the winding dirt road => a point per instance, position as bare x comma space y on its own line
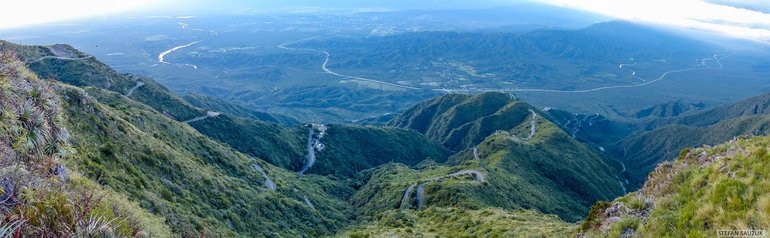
310, 159
268, 182
623, 166
477, 175
59, 58
533, 124
420, 190
208, 114
307, 202
132, 89
313, 145
407, 194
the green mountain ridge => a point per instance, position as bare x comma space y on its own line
642, 151
281, 146
519, 150
203, 185
197, 184
200, 185
215, 104
39, 182
455, 165
705, 190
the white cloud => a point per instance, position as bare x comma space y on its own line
697, 14
756, 5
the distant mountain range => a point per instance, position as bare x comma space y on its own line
142, 147
88, 151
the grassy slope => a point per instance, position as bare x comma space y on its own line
33, 141
283, 147
196, 171
161, 99
536, 175
551, 172
195, 182
215, 104
725, 187
456, 222
170, 169
460, 121
646, 150
279, 145
91, 72
350, 149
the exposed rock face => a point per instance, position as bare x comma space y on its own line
61, 172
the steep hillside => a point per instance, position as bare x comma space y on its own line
460, 121
42, 193
255, 134
68, 65
452, 222
526, 161
346, 149
138, 141
750, 106
705, 190
283, 147
172, 167
218, 105
350, 149
167, 168
642, 151
197, 183
594, 129
670, 109
508, 173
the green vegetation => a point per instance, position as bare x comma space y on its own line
164, 101
283, 147
151, 163
347, 150
197, 183
707, 189
218, 105
460, 121
550, 172
648, 149
41, 194
127, 166
87, 71
457, 222
517, 176
350, 149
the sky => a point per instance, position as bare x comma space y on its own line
20, 13
740, 18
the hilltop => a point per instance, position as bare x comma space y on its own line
160, 164
527, 160
121, 124
704, 190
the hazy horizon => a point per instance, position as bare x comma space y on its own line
736, 18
